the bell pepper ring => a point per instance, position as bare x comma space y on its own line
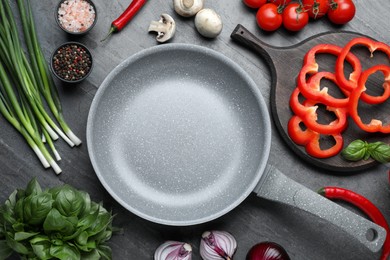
310, 66
297, 134
386, 85
308, 113
372, 45
311, 139
312, 90
375, 125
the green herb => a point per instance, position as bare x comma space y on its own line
361, 150
60, 223
27, 87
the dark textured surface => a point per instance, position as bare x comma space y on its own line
255, 220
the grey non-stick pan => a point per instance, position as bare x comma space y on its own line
180, 135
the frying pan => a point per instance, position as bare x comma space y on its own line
179, 135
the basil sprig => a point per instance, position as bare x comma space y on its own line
59, 223
361, 150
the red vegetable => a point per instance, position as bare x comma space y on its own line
310, 65
280, 2
316, 8
118, 24
308, 113
364, 205
311, 139
312, 90
341, 11
267, 251
254, 3
372, 46
269, 17
375, 125
294, 17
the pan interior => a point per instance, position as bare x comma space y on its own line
178, 134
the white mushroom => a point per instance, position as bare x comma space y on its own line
187, 8
165, 28
208, 23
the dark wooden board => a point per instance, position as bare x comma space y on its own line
285, 64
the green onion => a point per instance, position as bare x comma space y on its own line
41, 69
27, 87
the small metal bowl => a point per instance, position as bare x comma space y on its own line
71, 67
77, 33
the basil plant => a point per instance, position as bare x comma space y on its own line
57, 223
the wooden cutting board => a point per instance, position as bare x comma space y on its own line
285, 64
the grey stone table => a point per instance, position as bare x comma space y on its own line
255, 220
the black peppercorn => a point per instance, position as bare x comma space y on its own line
71, 62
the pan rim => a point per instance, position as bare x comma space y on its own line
249, 83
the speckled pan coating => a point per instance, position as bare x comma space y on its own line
179, 134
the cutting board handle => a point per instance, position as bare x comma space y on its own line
268, 52
275, 186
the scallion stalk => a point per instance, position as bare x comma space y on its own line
41, 69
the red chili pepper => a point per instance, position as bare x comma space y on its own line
118, 24
312, 90
311, 139
375, 125
371, 45
310, 65
308, 113
364, 205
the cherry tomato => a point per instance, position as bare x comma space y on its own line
341, 11
316, 8
254, 3
280, 2
294, 17
269, 17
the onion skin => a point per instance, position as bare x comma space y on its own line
267, 251
217, 245
173, 250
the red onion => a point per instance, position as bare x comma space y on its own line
267, 251
217, 245
173, 250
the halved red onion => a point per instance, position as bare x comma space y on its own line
267, 251
217, 245
173, 250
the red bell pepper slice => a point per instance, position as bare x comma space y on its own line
312, 90
375, 125
310, 66
386, 85
308, 113
311, 139
372, 45
297, 134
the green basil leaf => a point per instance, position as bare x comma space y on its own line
91, 245
36, 208
355, 151
65, 252
55, 222
5, 250
41, 248
20, 236
17, 246
93, 255
82, 239
69, 201
105, 252
379, 151
102, 222
33, 188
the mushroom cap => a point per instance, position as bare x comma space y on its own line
165, 28
208, 23
187, 8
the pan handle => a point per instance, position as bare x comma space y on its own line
276, 186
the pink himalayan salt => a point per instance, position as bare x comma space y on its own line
76, 15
